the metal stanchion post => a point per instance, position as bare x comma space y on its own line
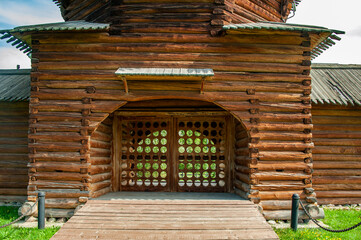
294, 212
41, 210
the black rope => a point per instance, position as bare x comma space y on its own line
327, 229
19, 218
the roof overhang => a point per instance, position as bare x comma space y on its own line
166, 74
20, 37
321, 39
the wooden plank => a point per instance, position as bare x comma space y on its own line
167, 219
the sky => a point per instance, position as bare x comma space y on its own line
334, 14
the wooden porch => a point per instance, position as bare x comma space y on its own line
145, 215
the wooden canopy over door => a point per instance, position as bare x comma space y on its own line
171, 153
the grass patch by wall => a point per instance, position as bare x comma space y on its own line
8, 214
336, 219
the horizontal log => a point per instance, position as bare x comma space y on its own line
342, 194
12, 199
100, 169
281, 195
332, 187
101, 192
59, 176
338, 201
286, 214
57, 146
105, 75
278, 126
276, 205
58, 136
58, 166
336, 120
13, 191
61, 38
336, 180
337, 150
14, 171
99, 185
282, 136
14, 148
13, 156
336, 142
246, 48
337, 134
66, 203
336, 165
337, 127
274, 166
61, 193
100, 177
283, 156
336, 157
276, 176
9, 184
282, 145
280, 185
14, 178
100, 152
101, 136
53, 184
100, 160
338, 172
58, 156
166, 56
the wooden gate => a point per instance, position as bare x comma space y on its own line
184, 154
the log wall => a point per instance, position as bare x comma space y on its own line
337, 153
13, 151
261, 77
101, 159
193, 15
242, 173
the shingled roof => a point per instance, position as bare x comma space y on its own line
14, 85
336, 84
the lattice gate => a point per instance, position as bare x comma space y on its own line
184, 154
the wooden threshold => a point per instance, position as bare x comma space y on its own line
169, 216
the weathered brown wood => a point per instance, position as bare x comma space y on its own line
14, 150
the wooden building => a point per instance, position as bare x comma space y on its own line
199, 96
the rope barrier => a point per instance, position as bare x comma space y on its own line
327, 229
22, 216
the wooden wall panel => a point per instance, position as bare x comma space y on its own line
101, 159
175, 16
262, 80
337, 153
13, 151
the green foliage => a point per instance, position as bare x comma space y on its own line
8, 214
336, 219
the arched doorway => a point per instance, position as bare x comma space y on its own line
172, 145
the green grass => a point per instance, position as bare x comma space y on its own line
8, 214
336, 219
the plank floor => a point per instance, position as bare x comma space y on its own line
167, 216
